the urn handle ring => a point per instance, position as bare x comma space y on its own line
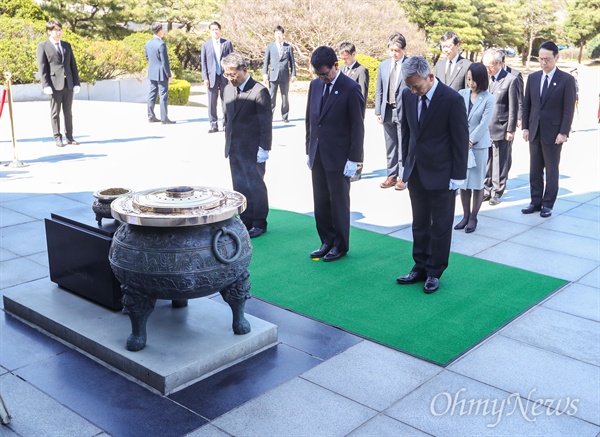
236, 239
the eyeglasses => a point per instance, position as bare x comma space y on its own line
545, 59
230, 75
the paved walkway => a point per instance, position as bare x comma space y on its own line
340, 384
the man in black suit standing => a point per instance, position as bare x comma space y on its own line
248, 131
60, 79
452, 70
548, 109
159, 74
280, 56
360, 74
335, 134
213, 50
505, 88
435, 144
388, 108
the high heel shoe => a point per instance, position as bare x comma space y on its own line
470, 229
461, 224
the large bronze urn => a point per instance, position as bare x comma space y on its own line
180, 243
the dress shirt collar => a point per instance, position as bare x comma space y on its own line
455, 59
242, 86
550, 75
430, 93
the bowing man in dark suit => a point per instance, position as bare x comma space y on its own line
360, 74
248, 131
213, 51
435, 144
388, 108
280, 57
60, 79
548, 109
452, 70
159, 74
335, 134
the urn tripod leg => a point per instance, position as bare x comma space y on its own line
236, 295
138, 307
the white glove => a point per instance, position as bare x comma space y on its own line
455, 184
76, 89
262, 155
350, 168
47, 90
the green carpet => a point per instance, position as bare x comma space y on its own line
359, 293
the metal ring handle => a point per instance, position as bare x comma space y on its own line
238, 243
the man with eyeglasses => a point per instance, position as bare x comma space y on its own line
248, 129
548, 109
335, 134
452, 70
60, 79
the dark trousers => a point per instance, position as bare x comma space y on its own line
331, 195
392, 135
62, 99
433, 215
284, 87
498, 166
543, 157
158, 88
248, 178
213, 94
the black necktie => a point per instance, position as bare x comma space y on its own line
423, 109
493, 78
544, 88
60, 56
325, 96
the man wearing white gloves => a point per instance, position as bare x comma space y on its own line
60, 79
335, 133
248, 123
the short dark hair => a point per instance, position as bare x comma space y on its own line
549, 45
278, 29
480, 76
450, 35
156, 27
397, 39
234, 59
347, 47
214, 23
323, 57
52, 24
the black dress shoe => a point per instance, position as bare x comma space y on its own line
256, 232
495, 201
471, 226
321, 251
72, 141
546, 212
411, 278
167, 121
431, 285
285, 120
212, 130
486, 198
531, 209
153, 120
59, 142
334, 254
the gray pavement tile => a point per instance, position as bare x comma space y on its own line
20, 270
539, 260
5, 255
586, 211
491, 226
24, 239
208, 430
472, 244
534, 373
41, 258
36, 414
568, 244
371, 374
452, 405
384, 426
590, 197
8, 217
574, 226
85, 197
42, 206
556, 331
7, 196
296, 408
592, 278
577, 299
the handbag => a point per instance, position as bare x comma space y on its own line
471, 162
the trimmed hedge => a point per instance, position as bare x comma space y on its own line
179, 92
136, 42
370, 64
593, 47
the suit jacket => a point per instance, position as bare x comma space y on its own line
554, 114
520, 88
479, 118
360, 75
506, 113
281, 66
209, 63
439, 148
383, 85
458, 79
248, 121
53, 73
338, 129
158, 59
